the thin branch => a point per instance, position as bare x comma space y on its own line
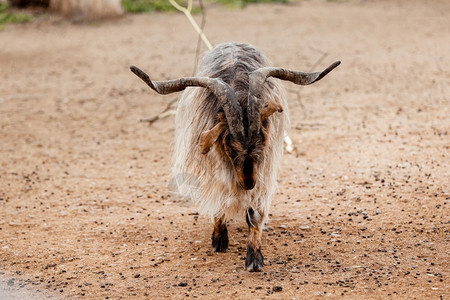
298, 91
201, 37
202, 27
299, 100
302, 125
289, 144
187, 12
166, 112
324, 54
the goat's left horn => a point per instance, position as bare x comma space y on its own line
259, 77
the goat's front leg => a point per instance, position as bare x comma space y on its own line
220, 236
255, 260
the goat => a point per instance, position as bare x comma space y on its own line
229, 138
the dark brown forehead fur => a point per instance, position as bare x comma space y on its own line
233, 63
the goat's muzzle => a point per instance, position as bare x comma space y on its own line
249, 184
247, 179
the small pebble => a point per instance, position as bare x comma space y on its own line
277, 288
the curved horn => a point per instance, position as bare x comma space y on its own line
223, 92
259, 77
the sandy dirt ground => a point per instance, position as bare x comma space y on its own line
362, 209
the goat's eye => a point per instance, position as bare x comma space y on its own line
228, 140
262, 137
228, 148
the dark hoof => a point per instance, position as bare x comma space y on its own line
220, 242
255, 260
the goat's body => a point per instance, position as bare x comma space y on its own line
209, 179
229, 138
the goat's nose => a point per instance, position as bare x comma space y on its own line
249, 184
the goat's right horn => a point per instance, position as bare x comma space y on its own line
223, 92
177, 85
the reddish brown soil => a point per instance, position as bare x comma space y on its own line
363, 203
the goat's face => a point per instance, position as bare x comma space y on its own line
244, 159
243, 153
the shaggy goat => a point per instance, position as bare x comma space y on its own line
229, 138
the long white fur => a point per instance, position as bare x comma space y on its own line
209, 179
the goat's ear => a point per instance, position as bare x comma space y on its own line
269, 108
209, 137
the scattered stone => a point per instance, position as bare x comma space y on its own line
277, 288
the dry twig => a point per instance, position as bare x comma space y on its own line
202, 27
201, 37
187, 11
298, 91
165, 113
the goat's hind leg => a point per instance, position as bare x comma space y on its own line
220, 236
255, 260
